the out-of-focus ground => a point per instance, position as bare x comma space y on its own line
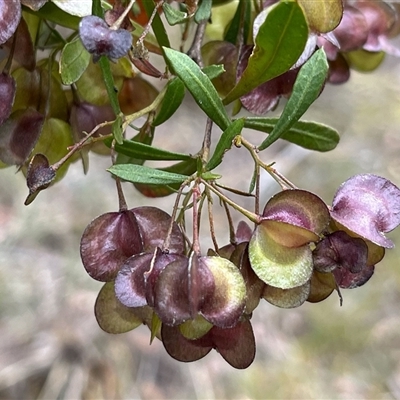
52, 348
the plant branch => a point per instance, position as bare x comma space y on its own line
283, 182
121, 18
211, 219
195, 49
251, 216
79, 145
128, 119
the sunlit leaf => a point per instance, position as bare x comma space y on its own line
199, 85
187, 167
243, 13
145, 152
278, 44
173, 15
157, 24
73, 7
225, 143
203, 12
74, 61
308, 134
172, 100
308, 86
141, 174
55, 14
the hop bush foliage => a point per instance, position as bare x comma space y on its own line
92, 86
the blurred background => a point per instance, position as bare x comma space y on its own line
52, 348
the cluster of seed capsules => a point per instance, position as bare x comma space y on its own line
300, 250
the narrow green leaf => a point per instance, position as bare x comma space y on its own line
157, 25
187, 167
173, 15
141, 151
172, 100
74, 61
213, 71
278, 45
104, 64
117, 129
308, 134
141, 174
143, 136
240, 22
97, 9
203, 12
225, 143
306, 89
254, 178
50, 12
199, 85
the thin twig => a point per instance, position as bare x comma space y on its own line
150, 21
251, 216
232, 233
283, 182
196, 241
80, 144
121, 197
195, 49
121, 18
211, 219
167, 241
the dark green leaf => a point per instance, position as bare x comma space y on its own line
187, 167
157, 25
225, 143
199, 85
306, 89
145, 136
173, 15
141, 174
213, 71
240, 22
203, 13
172, 100
143, 151
310, 135
278, 45
97, 8
50, 12
74, 60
